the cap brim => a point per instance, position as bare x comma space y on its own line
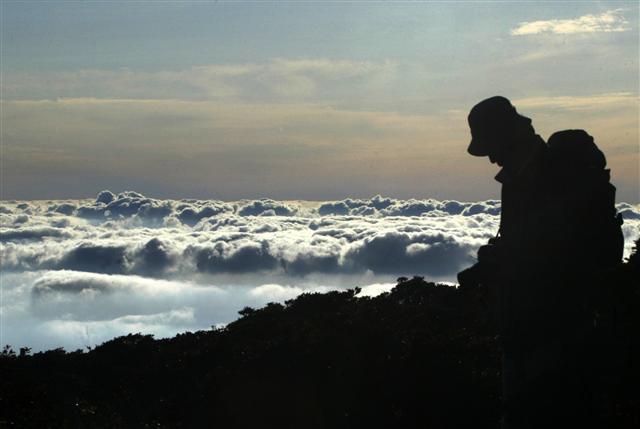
478, 147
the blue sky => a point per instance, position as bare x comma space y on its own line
148, 35
308, 100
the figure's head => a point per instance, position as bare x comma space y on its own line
496, 129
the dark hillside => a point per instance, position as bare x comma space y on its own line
423, 355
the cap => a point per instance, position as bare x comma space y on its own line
488, 119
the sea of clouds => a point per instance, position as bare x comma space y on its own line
76, 273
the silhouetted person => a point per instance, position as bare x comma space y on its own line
558, 229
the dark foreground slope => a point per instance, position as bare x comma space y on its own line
424, 355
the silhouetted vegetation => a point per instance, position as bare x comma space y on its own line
423, 355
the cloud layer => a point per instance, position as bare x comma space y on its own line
130, 234
77, 272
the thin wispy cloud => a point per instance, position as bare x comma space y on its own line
606, 22
279, 79
587, 102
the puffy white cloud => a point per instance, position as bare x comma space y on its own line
606, 22
396, 252
192, 215
267, 207
629, 211
37, 233
276, 292
390, 207
376, 289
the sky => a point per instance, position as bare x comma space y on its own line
301, 100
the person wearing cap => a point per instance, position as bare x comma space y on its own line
526, 269
509, 140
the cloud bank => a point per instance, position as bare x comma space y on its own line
131, 234
78, 272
